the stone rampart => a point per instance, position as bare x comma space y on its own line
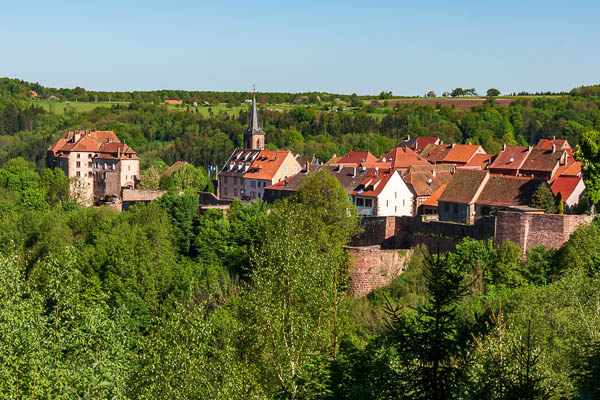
528, 230
376, 231
372, 268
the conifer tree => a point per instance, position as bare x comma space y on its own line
544, 199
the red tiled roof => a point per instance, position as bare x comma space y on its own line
436, 152
356, 158
572, 169
542, 160
403, 157
565, 185
546, 144
511, 158
419, 181
423, 141
374, 182
463, 186
505, 191
432, 201
173, 101
266, 164
463, 153
479, 161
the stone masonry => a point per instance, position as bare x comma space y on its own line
373, 268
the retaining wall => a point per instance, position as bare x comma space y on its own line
372, 268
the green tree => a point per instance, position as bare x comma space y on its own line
493, 92
544, 199
589, 153
182, 210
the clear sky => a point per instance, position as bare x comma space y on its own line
333, 46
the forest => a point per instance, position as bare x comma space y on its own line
162, 302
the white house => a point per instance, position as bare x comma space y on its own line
383, 193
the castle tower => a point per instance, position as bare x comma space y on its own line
254, 137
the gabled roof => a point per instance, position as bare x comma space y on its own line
436, 152
419, 143
239, 161
572, 169
349, 177
542, 160
479, 161
267, 164
374, 182
356, 158
87, 141
463, 186
463, 153
432, 201
419, 181
176, 165
403, 157
504, 191
565, 185
510, 158
546, 144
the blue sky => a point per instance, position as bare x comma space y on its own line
334, 46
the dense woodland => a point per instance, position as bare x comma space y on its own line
160, 302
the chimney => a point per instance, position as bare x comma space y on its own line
307, 167
452, 145
504, 147
433, 172
529, 149
119, 152
553, 148
553, 138
354, 172
376, 170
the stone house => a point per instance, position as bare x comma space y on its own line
99, 163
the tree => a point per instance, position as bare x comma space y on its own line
543, 198
150, 179
458, 92
589, 153
431, 93
493, 92
182, 210
429, 344
191, 177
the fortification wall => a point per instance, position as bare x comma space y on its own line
528, 230
373, 268
376, 231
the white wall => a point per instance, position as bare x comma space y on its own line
395, 199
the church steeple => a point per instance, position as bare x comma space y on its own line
254, 136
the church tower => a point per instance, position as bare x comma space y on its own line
254, 137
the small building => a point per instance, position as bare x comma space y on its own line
33, 94
401, 158
383, 193
353, 158
571, 190
472, 194
173, 101
510, 160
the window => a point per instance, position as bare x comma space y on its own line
78, 173
368, 203
60, 163
252, 183
225, 180
104, 167
129, 167
235, 192
395, 208
78, 155
89, 155
295, 169
387, 203
89, 165
285, 170
359, 202
403, 202
78, 164
112, 166
89, 174
455, 208
395, 195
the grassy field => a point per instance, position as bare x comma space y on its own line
59, 107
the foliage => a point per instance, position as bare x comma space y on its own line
589, 145
543, 198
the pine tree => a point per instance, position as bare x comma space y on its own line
544, 199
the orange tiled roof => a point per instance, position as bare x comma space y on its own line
479, 161
356, 158
436, 152
511, 157
463, 153
565, 185
374, 182
572, 169
403, 157
542, 160
546, 144
266, 164
432, 201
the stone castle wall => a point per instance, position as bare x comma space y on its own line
372, 268
528, 230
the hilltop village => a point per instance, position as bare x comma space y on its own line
420, 192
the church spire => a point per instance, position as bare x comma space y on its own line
254, 137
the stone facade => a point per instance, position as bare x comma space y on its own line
528, 230
373, 268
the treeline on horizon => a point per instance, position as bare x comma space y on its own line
17, 87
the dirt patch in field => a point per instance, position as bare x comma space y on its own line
463, 104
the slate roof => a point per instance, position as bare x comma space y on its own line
565, 185
463, 186
403, 157
239, 162
253, 127
504, 191
510, 158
